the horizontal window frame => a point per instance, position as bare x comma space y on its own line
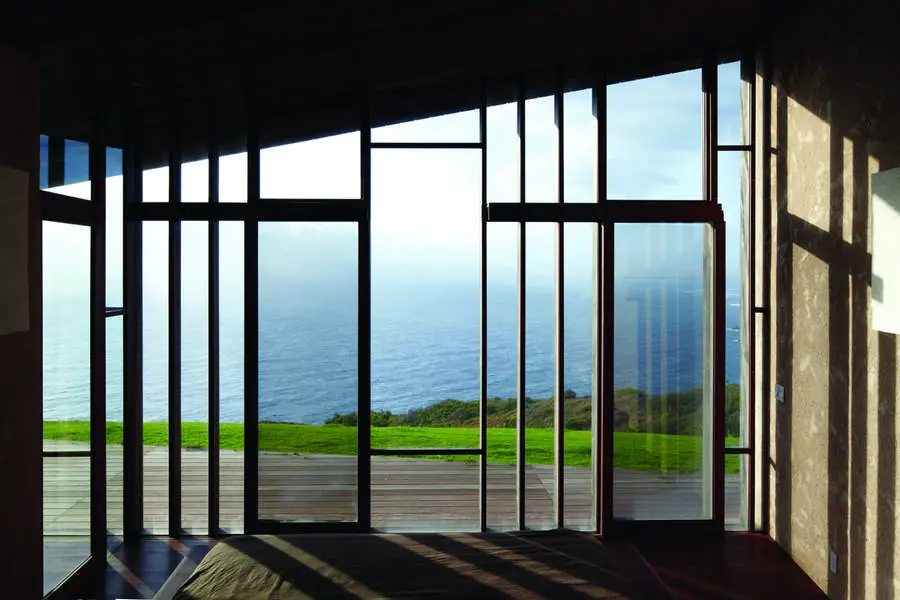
426, 452
265, 210
608, 211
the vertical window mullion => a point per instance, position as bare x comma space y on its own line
766, 158
213, 324
748, 81
520, 354
251, 324
364, 367
132, 278
714, 335
56, 161
602, 397
482, 372
559, 379
174, 329
97, 170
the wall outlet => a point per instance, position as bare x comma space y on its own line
832, 562
779, 393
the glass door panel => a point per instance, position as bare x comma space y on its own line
308, 372
663, 395
66, 410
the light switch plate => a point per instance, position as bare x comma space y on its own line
779, 393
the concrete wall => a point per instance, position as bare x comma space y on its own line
836, 120
20, 352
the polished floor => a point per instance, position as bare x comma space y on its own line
154, 567
735, 566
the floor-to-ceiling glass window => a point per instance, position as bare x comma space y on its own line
433, 387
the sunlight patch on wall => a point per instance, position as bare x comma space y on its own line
885, 250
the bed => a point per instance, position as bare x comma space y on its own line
492, 565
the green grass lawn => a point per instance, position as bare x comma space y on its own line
639, 451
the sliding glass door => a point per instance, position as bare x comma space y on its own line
663, 398
74, 313
67, 419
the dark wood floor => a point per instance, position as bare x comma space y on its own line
735, 566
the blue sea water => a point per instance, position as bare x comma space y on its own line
424, 348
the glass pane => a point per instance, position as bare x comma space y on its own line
67, 542
195, 181
729, 102
77, 163
233, 167
231, 377
233, 178
654, 138
502, 335
663, 400
308, 371
324, 168
736, 482
730, 198
580, 147
503, 154
156, 185
426, 221
540, 339
114, 199
579, 371
113, 162
761, 465
195, 376
115, 400
541, 151
45, 162
438, 493
66, 399
155, 289
454, 127
115, 357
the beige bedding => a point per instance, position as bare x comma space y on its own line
530, 567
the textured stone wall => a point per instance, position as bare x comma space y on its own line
833, 467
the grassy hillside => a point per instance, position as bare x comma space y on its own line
676, 413
648, 452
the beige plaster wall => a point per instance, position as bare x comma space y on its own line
833, 468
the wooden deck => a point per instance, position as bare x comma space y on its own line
407, 494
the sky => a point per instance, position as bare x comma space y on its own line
425, 216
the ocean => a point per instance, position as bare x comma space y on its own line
424, 348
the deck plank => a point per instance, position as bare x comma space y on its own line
407, 494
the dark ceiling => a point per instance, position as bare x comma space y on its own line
307, 61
